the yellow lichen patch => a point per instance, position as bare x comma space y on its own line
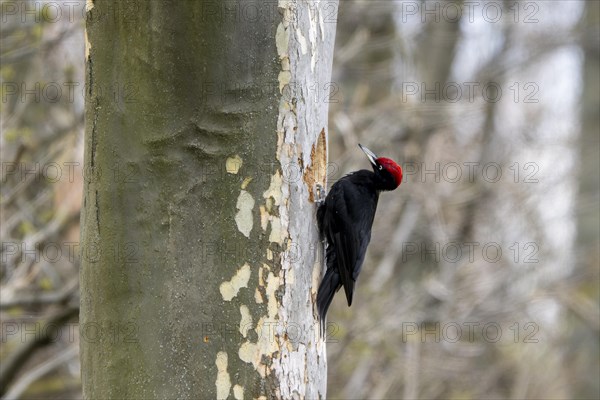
273, 197
261, 281
284, 79
267, 345
223, 381
282, 40
274, 190
233, 164
89, 4
269, 255
258, 297
264, 218
246, 182
246, 321
238, 392
273, 283
231, 288
267, 341
266, 329
269, 204
275, 235
247, 352
288, 7
243, 218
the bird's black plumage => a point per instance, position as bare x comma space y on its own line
345, 219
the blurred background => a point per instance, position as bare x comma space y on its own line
483, 276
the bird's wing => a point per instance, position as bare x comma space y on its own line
342, 234
345, 249
364, 222
348, 220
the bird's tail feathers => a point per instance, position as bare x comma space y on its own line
331, 283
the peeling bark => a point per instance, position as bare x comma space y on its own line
205, 134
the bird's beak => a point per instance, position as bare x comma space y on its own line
372, 157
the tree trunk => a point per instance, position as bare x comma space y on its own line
205, 135
588, 215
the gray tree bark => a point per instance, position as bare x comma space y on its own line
588, 216
584, 302
205, 135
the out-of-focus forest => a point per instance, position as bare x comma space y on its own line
483, 275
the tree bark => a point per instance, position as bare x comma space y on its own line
205, 136
588, 215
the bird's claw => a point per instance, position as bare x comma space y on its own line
320, 194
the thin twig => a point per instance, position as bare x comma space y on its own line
19, 357
37, 299
22, 384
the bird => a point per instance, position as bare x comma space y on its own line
344, 219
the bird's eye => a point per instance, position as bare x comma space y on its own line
380, 167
